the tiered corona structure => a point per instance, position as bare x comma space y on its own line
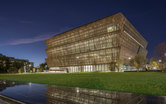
93, 46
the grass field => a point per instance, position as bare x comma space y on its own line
152, 83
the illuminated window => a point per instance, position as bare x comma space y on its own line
111, 28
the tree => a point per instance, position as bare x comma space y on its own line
4, 64
18, 65
82, 67
34, 69
112, 66
119, 64
154, 64
160, 54
13, 70
39, 69
95, 63
138, 61
21, 70
43, 66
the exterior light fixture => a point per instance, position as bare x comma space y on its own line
129, 58
77, 90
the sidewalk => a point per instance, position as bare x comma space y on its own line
6, 100
3, 102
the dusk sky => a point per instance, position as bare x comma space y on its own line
25, 24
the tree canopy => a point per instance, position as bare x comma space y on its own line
138, 61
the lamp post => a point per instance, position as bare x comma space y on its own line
129, 62
160, 61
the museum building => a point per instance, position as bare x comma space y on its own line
95, 46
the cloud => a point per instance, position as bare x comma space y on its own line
27, 40
30, 40
35, 39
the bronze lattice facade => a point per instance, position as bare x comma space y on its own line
93, 46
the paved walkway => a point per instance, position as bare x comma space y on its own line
7, 100
3, 102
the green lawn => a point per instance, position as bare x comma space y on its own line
153, 83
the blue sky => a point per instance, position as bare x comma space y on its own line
25, 24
